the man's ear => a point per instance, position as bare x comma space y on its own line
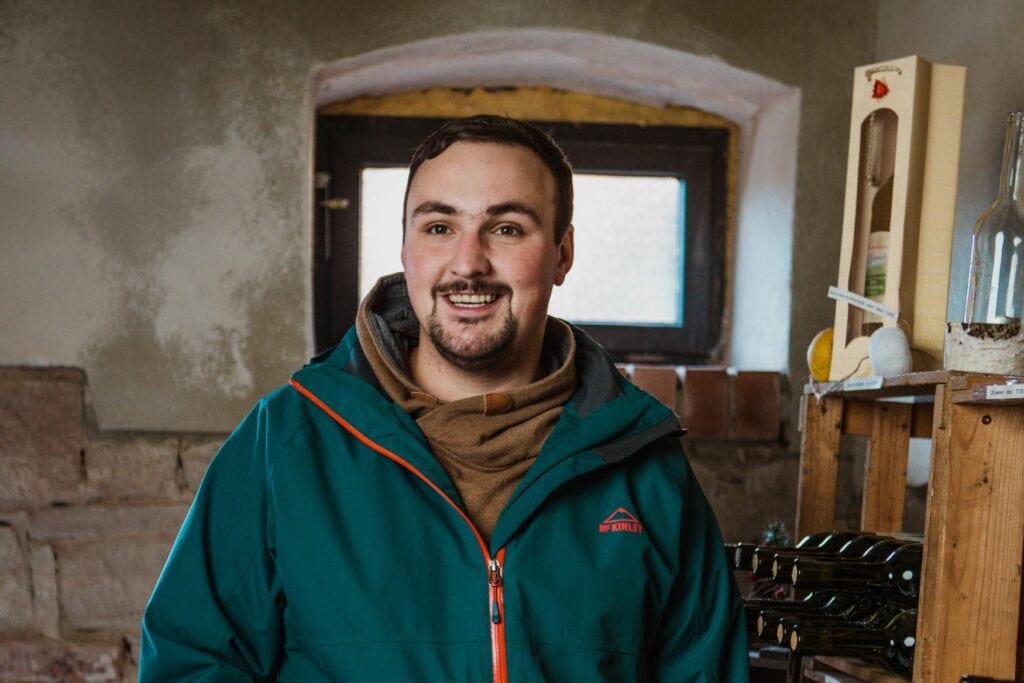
566, 250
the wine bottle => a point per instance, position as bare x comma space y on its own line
995, 281
761, 562
809, 602
739, 555
898, 574
866, 611
815, 604
855, 549
752, 616
892, 643
808, 541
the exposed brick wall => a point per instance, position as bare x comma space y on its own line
87, 518
735, 422
86, 521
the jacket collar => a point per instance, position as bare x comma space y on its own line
606, 420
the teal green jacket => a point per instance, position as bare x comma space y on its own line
327, 544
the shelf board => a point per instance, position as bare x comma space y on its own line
911, 384
966, 387
988, 390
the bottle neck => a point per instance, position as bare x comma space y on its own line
1010, 188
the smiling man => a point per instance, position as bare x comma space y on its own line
481, 254
465, 489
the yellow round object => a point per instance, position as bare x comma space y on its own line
819, 355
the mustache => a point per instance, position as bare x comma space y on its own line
470, 287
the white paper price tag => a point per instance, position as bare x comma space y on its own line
863, 384
1004, 391
862, 303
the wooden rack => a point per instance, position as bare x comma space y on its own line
974, 531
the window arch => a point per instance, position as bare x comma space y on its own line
767, 112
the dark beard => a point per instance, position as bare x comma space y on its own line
487, 357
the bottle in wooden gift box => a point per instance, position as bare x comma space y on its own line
995, 290
874, 211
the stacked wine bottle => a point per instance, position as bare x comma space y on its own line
854, 595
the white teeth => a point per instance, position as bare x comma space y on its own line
471, 299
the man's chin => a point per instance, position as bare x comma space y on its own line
473, 357
474, 353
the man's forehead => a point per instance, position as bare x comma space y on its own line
506, 173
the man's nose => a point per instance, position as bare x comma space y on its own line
470, 258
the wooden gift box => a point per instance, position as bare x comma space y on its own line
901, 178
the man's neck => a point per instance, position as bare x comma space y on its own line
447, 382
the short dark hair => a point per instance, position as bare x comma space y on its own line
503, 131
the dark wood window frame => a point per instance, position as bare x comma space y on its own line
347, 144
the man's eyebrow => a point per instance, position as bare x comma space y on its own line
435, 207
513, 207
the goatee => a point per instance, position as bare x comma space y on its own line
477, 354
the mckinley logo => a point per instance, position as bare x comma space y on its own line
622, 520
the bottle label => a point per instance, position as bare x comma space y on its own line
878, 263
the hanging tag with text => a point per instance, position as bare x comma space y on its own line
863, 303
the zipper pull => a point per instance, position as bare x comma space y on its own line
494, 581
495, 612
494, 573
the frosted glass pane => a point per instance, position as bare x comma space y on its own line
381, 193
629, 246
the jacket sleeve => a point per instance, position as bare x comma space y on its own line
703, 632
215, 613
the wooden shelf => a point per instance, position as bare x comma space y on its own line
912, 384
974, 532
966, 387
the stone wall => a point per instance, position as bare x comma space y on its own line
87, 517
86, 521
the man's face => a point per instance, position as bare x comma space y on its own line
480, 256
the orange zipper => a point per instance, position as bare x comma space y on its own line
495, 565
496, 582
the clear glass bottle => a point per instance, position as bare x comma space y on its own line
995, 288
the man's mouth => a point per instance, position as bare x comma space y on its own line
471, 300
470, 295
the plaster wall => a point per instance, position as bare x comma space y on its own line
984, 37
154, 184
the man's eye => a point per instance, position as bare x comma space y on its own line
507, 230
437, 229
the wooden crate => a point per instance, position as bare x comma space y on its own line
969, 612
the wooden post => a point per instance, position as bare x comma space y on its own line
819, 464
885, 471
971, 584
931, 612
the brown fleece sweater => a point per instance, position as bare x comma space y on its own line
485, 443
